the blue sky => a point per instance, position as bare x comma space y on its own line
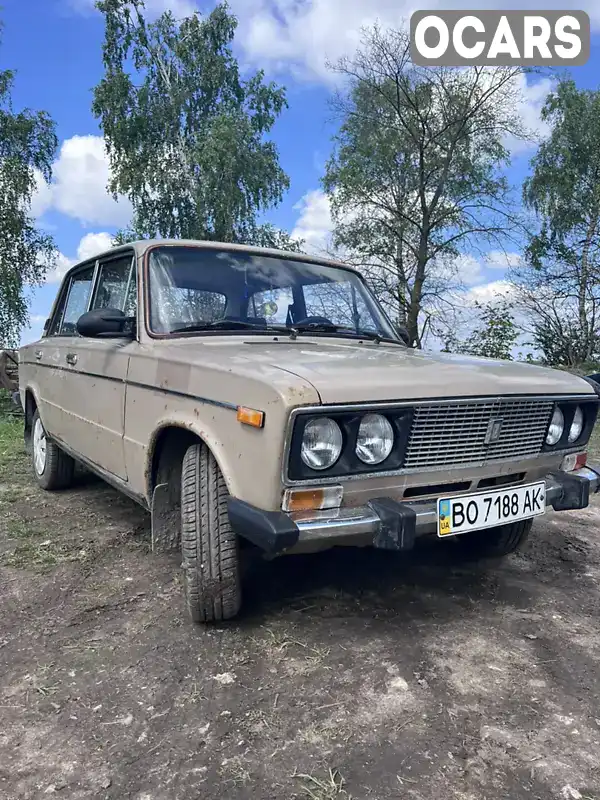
55, 47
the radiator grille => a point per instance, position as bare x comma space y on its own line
457, 434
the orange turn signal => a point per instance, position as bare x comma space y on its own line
573, 462
312, 499
250, 416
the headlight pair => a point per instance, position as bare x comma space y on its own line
323, 441
557, 427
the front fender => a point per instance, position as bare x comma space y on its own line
249, 458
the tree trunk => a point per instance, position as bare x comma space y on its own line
584, 277
416, 296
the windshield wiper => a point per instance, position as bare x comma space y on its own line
290, 330
229, 325
320, 327
329, 327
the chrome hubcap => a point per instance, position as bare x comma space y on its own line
39, 447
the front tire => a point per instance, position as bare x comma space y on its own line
494, 542
52, 468
210, 549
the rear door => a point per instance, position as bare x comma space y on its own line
97, 371
48, 356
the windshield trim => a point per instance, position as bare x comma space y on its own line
223, 248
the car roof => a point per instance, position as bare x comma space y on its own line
142, 245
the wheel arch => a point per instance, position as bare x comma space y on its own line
29, 409
168, 445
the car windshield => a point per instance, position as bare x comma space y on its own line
199, 289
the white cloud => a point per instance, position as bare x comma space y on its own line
498, 259
314, 223
533, 96
489, 292
78, 189
468, 269
300, 38
42, 197
302, 35
90, 245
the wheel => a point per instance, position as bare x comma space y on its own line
52, 468
210, 549
494, 542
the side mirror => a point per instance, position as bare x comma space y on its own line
105, 323
403, 334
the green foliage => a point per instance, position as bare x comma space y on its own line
27, 147
265, 235
417, 171
186, 136
561, 345
561, 286
495, 337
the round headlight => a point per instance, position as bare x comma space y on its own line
321, 443
556, 429
375, 439
576, 426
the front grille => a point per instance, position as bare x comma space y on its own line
456, 434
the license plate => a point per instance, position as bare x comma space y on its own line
474, 512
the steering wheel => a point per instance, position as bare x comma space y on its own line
313, 321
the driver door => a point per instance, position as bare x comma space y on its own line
97, 370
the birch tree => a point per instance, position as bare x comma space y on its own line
417, 175
187, 136
560, 287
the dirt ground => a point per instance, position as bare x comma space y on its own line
350, 674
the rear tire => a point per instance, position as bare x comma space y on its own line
210, 548
52, 468
495, 542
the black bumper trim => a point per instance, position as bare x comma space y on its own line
271, 531
397, 527
575, 493
576, 490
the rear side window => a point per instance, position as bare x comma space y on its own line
77, 297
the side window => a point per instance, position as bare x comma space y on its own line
113, 283
77, 298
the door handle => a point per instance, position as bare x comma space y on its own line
38, 354
71, 359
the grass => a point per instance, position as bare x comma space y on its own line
42, 555
34, 549
31, 555
329, 788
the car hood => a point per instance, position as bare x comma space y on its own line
345, 371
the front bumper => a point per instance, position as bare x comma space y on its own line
388, 524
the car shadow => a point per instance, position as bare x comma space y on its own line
366, 581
